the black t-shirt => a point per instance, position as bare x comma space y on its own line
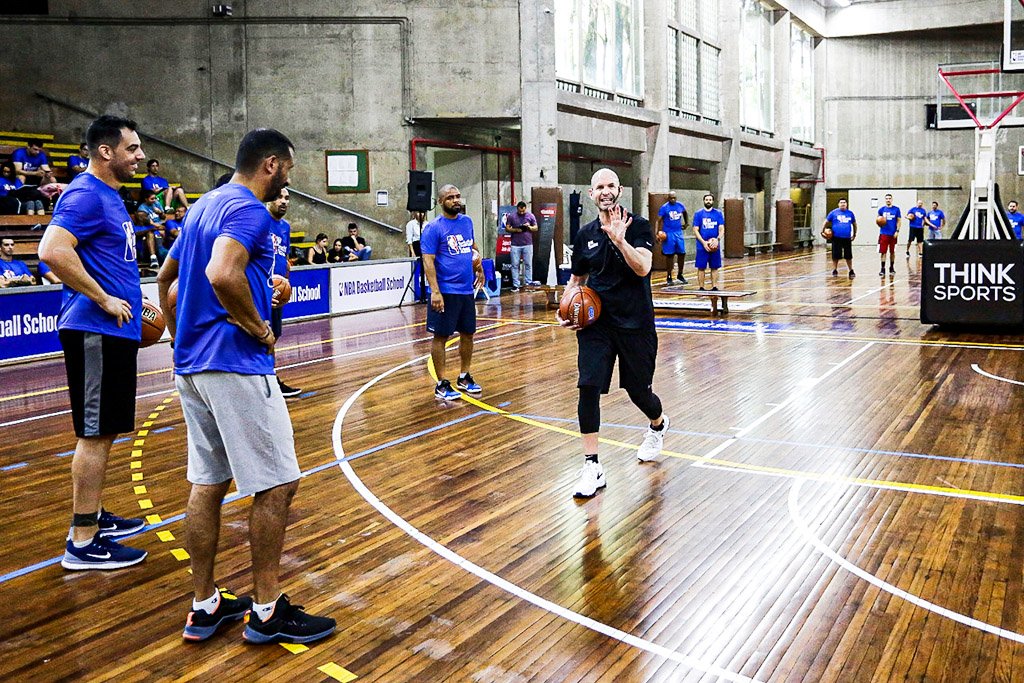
625, 296
348, 243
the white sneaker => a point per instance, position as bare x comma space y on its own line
650, 449
591, 479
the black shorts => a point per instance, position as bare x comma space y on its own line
842, 247
276, 320
600, 345
101, 381
916, 234
459, 316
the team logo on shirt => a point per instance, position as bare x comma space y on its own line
129, 241
457, 244
591, 244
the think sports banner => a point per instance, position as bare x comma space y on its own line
973, 282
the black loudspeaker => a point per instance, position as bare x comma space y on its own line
419, 188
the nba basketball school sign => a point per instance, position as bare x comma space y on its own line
973, 282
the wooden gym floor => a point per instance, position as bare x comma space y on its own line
840, 501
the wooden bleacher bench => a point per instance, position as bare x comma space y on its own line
714, 296
19, 222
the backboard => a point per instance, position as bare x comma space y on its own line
979, 94
1013, 35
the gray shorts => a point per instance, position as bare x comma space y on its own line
238, 427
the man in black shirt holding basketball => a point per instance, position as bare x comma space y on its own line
612, 256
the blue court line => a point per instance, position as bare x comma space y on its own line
123, 439
805, 444
161, 430
232, 498
64, 454
15, 466
307, 394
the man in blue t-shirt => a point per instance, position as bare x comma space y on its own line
13, 273
454, 272
78, 162
90, 245
30, 162
935, 219
708, 224
237, 420
888, 233
672, 220
281, 236
1015, 218
165, 192
915, 220
843, 224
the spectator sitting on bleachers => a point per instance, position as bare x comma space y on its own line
355, 245
78, 162
15, 196
46, 275
13, 273
146, 235
150, 205
50, 188
166, 193
172, 228
30, 162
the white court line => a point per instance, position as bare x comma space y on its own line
489, 577
820, 546
65, 412
977, 369
867, 294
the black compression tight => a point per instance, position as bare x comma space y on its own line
589, 407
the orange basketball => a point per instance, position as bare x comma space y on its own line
152, 324
661, 236
880, 221
477, 258
283, 289
580, 305
827, 233
713, 244
172, 298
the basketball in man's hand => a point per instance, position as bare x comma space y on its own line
580, 305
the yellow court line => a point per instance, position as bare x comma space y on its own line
909, 487
147, 373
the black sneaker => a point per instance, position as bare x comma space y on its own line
443, 390
683, 280
908, 254
852, 274
466, 383
835, 272
287, 624
112, 526
882, 271
287, 391
200, 624
892, 271
669, 281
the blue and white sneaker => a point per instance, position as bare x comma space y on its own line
466, 383
444, 391
112, 526
102, 553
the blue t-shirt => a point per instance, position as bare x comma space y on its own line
154, 183
915, 217
14, 268
842, 221
936, 218
205, 340
7, 186
281, 235
94, 213
76, 160
450, 240
708, 222
155, 211
891, 213
28, 161
43, 270
1016, 222
672, 216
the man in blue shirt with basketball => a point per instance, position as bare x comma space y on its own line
90, 245
453, 275
888, 233
843, 224
1015, 218
672, 221
282, 238
237, 420
915, 219
935, 219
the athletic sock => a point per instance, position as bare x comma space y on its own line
591, 457
209, 605
264, 611
82, 544
659, 427
463, 375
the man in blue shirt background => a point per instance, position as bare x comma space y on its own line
888, 233
915, 219
708, 223
281, 236
1015, 218
843, 224
78, 162
672, 221
237, 420
165, 192
935, 219
90, 245
453, 274
13, 273
30, 162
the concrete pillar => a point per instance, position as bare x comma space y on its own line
539, 116
653, 164
782, 46
728, 176
818, 197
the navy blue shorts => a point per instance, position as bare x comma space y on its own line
601, 345
674, 243
459, 316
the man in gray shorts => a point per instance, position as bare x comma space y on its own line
238, 424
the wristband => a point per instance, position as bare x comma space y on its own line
265, 334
